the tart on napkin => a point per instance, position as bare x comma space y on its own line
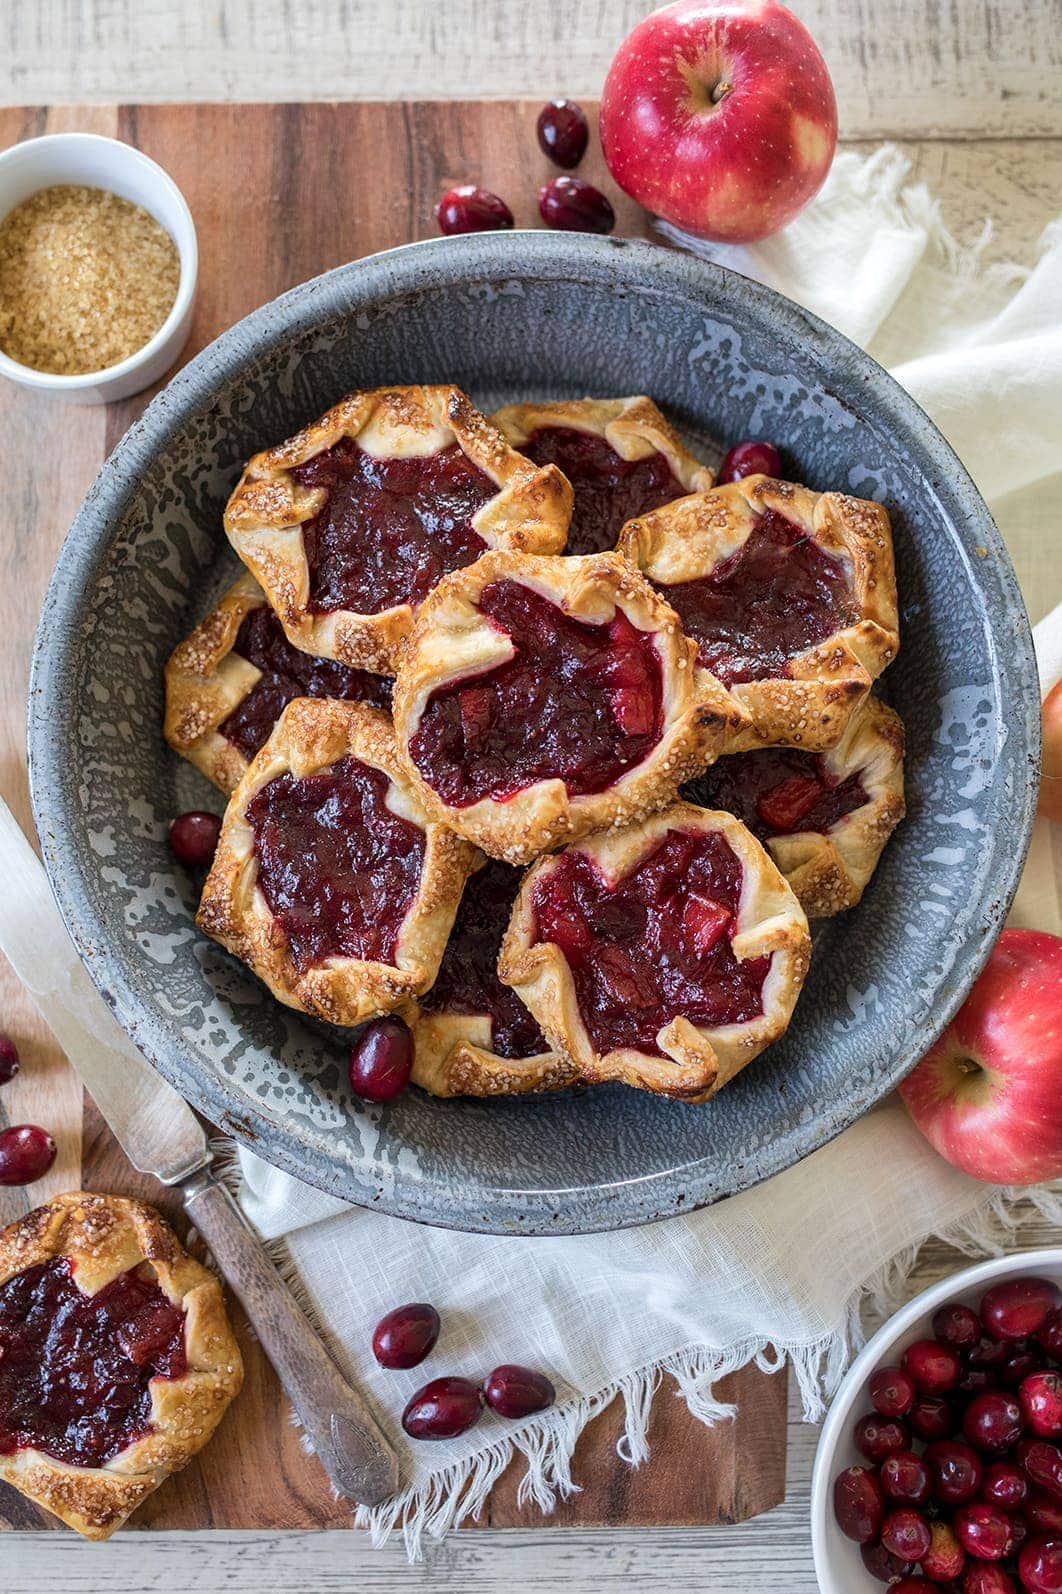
117, 1361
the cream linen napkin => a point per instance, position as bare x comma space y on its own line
782, 1270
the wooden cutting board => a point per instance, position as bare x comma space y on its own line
280, 193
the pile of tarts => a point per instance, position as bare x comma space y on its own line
538, 739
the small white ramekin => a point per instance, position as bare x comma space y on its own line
838, 1564
106, 163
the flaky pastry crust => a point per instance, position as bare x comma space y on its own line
104, 1236
311, 735
809, 708
453, 639
265, 515
697, 1061
453, 1057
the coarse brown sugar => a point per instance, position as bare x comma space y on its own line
86, 279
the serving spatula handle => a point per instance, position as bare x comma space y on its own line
345, 1435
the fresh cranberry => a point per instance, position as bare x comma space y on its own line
858, 1504
877, 1437
892, 1392
381, 1060
989, 1352
514, 1391
1019, 1307
986, 1577
443, 1409
9, 1062
1042, 1462
1004, 1485
906, 1534
905, 1477
956, 1471
749, 459
883, 1565
468, 208
975, 1380
992, 1421
405, 1336
945, 1557
983, 1530
575, 206
1040, 1566
194, 838
932, 1418
1017, 1368
1041, 1401
934, 1367
563, 132
1043, 1514
1050, 1334
26, 1154
957, 1325
909, 1585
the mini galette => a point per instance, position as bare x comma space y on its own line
229, 681
823, 817
117, 1361
329, 879
472, 1035
350, 523
541, 699
666, 955
790, 596
622, 457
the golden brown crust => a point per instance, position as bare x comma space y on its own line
830, 872
810, 707
311, 734
104, 1236
265, 515
453, 638
697, 1061
453, 1057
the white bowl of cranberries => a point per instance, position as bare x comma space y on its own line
939, 1467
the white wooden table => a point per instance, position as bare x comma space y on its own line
973, 93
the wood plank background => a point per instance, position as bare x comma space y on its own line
240, 168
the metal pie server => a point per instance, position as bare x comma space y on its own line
161, 1135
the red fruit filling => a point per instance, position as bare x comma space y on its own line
76, 1370
609, 490
288, 673
338, 869
576, 702
773, 597
468, 979
776, 791
654, 946
389, 528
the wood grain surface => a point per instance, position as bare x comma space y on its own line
250, 174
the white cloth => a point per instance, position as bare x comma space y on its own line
783, 1269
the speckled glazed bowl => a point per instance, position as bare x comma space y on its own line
511, 316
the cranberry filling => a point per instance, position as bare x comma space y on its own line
288, 673
778, 790
609, 490
775, 596
338, 869
580, 703
468, 979
390, 528
76, 1370
656, 945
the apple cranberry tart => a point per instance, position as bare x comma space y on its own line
349, 524
790, 596
622, 457
666, 955
329, 879
117, 1361
229, 681
541, 699
823, 817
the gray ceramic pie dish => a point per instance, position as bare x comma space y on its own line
507, 316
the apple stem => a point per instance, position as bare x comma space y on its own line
968, 1065
720, 91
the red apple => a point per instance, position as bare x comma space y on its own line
988, 1095
719, 115
1051, 782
